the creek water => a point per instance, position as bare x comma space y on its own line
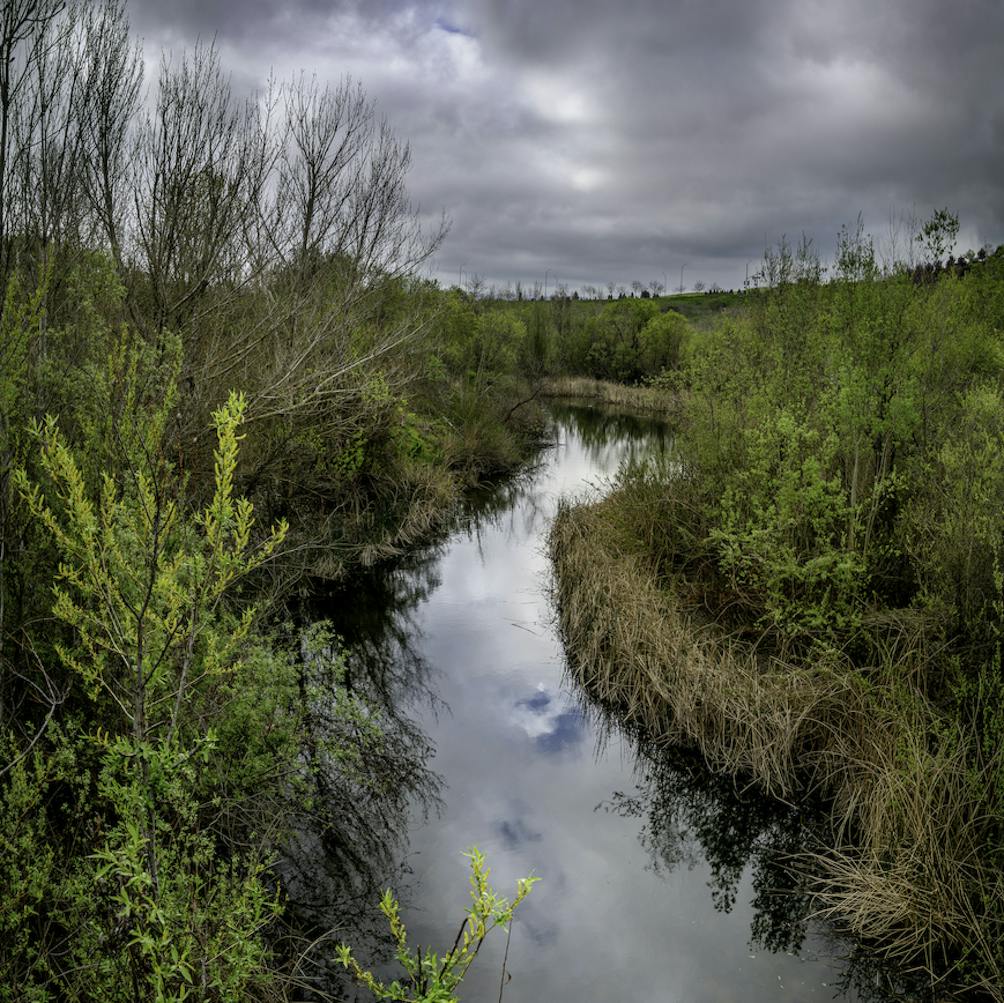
658, 881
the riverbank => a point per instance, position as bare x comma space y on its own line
813, 593
903, 870
410, 494
650, 400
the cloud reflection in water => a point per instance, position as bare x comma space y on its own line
553, 725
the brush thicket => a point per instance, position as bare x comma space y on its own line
905, 869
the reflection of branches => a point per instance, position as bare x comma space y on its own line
517, 505
499, 506
608, 435
346, 851
691, 812
373, 612
364, 770
687, 806
866, 977
347, 842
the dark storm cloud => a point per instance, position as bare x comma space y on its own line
600, 141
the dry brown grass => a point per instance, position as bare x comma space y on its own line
615, 394
905, 871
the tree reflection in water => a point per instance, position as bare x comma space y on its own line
691, 813
353, 820
352, 842
604, 433
685, 807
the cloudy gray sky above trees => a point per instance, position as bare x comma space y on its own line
589, 141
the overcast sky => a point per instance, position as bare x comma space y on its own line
591, 141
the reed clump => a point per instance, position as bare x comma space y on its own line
655, 399
907, 816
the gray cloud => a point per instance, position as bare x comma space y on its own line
602, 141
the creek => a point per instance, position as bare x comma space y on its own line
659, 881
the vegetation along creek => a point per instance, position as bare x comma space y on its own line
419, 609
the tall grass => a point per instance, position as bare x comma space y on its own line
635, 398
908, 823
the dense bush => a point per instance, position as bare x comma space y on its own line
211, 317
830, 521
839, 437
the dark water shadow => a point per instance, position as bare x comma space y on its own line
351, 841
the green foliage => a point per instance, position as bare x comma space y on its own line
20, 322
614, 340
138, 585
480, 343
953, 528
27, 870
780, 531
497, 344
160, 736
430, 977
170, 738
140, 589
189, 922
939, 233
663, 341
841, 442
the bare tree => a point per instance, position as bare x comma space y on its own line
194, 154
475, 286
903, 228
108, 103
269, 232
29, 29
48, 133
327, 133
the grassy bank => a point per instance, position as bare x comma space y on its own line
904, 870
810, 593
653, 400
